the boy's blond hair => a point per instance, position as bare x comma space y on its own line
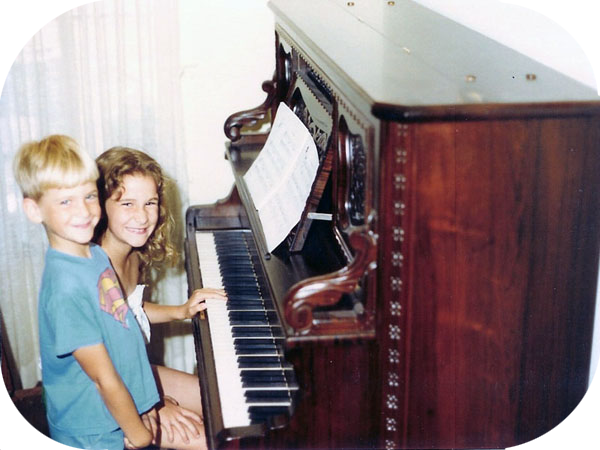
56, 161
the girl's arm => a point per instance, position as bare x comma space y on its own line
96, 363
166, 313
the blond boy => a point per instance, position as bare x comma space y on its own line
95, 370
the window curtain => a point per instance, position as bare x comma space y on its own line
106, 73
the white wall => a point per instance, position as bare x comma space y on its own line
562, 35
228, 50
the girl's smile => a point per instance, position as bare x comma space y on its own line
133, 211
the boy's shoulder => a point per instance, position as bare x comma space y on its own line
72, 269
56, 256
67, 276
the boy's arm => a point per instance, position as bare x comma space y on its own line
96, 363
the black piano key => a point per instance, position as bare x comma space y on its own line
242, 285
248, 305
247, 362
265, 384
253, 315
241, 342
250, 315
270, 410
241, 319
274, 330
258, 351
255, 343
266, 396
259, 414
250, 331
238, 263
241, 297
239, 276
243, 293
248, 289
264, 376
237, 322
270, 350
240, 307
230, 269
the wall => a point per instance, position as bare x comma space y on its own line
228, 50
562, 35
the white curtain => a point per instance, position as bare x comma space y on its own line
106, 73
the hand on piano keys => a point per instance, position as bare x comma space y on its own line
197, 301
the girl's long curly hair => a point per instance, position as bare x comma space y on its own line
116, 163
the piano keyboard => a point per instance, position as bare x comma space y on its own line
254, 380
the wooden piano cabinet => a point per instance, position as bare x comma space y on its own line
489, 237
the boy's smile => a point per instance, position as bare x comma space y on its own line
69, 215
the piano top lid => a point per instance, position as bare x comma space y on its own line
410, 56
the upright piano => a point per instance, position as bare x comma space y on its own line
439, 288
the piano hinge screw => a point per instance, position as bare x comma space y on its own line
531, 77
470, 78
350, 3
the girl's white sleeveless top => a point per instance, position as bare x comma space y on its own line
136, 303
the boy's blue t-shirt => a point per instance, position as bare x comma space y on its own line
81, 304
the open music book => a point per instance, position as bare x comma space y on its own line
281, 177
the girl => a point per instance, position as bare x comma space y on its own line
134, 231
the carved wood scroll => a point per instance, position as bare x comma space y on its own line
325, 290
251, 117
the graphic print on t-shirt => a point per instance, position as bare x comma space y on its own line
112, 300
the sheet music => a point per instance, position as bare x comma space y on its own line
281, 177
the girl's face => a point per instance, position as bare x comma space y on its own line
133, 210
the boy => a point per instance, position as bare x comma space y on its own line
95, 371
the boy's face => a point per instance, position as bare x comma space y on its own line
69, 216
